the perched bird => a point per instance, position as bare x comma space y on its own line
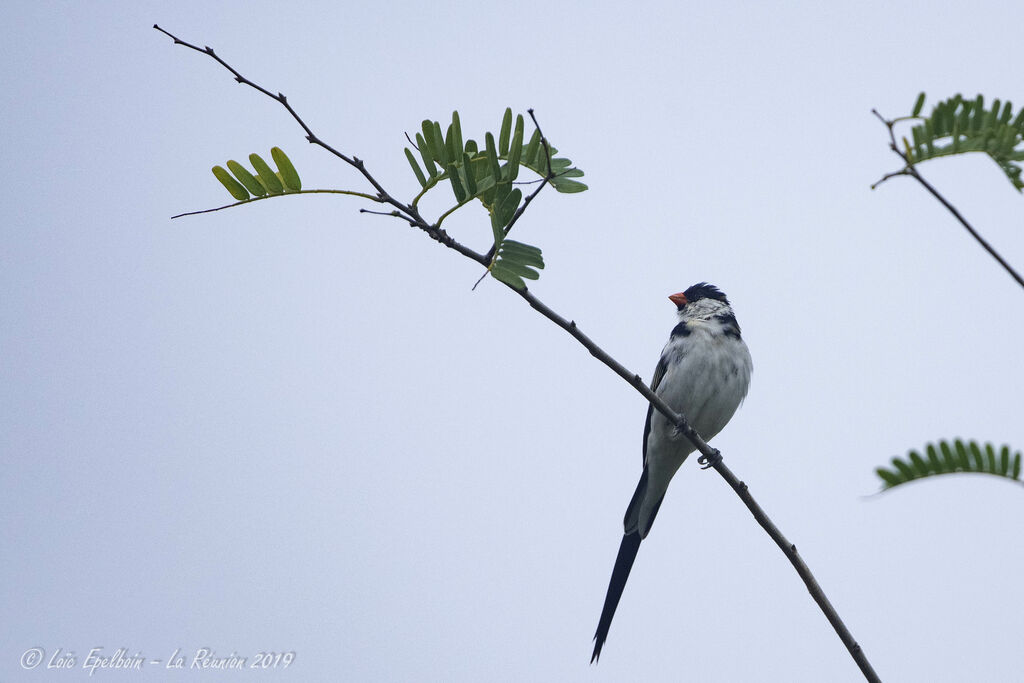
703, 373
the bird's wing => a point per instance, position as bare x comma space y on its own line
659, 372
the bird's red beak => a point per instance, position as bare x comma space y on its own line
678, 299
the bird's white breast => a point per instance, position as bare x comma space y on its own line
706, 379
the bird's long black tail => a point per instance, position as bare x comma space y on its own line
623, 563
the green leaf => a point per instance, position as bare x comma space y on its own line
520, 125
289, 175
267, 176
961, 453
515, 153
904, 469
483, 185
435, 144
490, 196
492, 157
976, 453
451, 151
455, 130
522, 253
499, 272
415, 167
919, 465
947, 456
563, 184
229, 183
441, 149
498, 230
519, 269
532, 147
889, 478
431, 146
507, 208
506, 130
244, 177
467, 167
425, 154
918, 104
453, 176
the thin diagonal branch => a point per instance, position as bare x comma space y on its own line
911, 170
280, 97
409, 213
710, 457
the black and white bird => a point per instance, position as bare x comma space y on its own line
703, 373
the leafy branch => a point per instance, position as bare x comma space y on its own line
969, 127
474, 167
946, 458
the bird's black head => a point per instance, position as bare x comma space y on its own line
701, 290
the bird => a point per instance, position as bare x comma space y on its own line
703, 373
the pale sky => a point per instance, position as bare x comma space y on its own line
290, 427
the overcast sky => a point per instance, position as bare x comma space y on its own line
290, 427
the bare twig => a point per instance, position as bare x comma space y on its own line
410, 213
911, 170
710, 457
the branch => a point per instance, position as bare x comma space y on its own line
710, 457
409, 213
910, 170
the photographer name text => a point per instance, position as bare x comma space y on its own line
201, 659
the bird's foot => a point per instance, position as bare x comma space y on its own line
707, 461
